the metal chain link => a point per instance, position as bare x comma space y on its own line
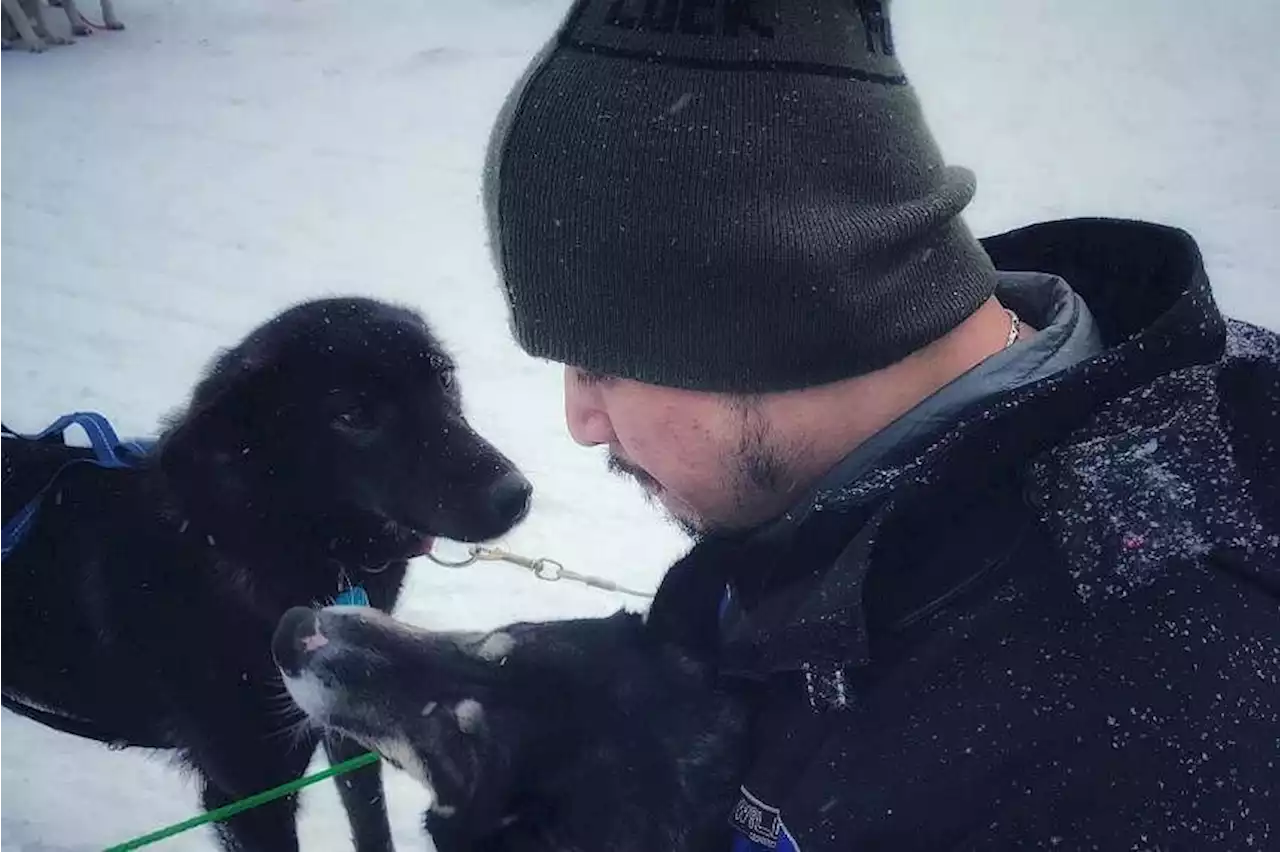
543, 568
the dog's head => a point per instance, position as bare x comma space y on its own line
337, 428
507, 727
451, 709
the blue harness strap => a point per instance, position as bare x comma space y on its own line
111, 453
108, 452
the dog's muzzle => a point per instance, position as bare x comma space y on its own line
297, 637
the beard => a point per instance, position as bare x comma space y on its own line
649, 486
621, 467
754, 475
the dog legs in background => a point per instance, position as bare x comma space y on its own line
24, 23
8, 32
35, 11
15, 17
80, 25
362, 797
109, 19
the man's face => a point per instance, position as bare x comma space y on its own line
708, 459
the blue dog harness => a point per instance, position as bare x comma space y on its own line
108, 452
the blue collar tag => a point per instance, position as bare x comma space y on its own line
354, 596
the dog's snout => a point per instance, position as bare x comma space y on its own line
510, 497
296, 638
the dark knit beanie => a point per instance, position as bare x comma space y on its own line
727, 195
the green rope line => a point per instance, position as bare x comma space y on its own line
245, 804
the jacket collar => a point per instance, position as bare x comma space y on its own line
808, 591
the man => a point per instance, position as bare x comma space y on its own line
996, 552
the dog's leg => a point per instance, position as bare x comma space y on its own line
79, 25
241, 765
35, 11
8, 35
9, 40
362, 797
109, 19
22, 24
267, 828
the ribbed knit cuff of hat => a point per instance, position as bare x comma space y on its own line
728, 196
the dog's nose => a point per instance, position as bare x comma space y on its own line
509, 497
297, 636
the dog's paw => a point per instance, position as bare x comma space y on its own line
82, 30
50, 39
114, 25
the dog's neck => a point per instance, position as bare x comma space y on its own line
689, 744
272, 563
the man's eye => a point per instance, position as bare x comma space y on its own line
590, 378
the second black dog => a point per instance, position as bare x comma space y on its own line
321, 452
589, 734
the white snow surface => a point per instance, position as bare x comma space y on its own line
168, 187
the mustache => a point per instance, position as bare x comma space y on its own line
621, 467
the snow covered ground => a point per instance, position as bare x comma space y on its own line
167, 187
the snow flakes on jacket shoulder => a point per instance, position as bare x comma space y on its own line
1150, 486
1252, 343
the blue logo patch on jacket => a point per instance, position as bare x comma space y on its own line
758, 827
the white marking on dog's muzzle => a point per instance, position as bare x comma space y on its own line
311, 696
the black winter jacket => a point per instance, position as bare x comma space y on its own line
1055, 626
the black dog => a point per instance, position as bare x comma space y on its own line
323, 451
593, 734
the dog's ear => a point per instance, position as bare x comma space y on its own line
202, 455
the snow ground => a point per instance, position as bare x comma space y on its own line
167, 187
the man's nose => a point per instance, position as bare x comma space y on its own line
586, 417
